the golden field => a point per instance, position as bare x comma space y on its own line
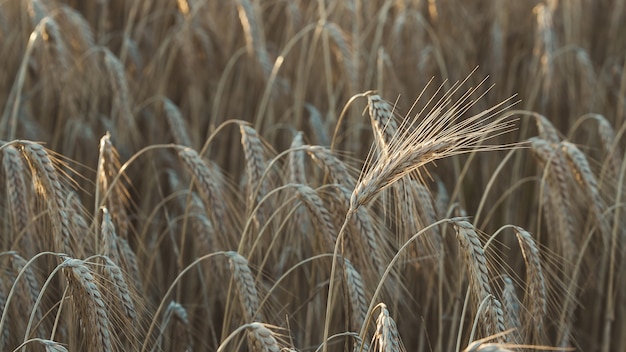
291, 175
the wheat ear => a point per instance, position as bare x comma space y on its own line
476, 262
246, 289
46, 176
387, 338
536, 291
93, 312
17, 196
262, 339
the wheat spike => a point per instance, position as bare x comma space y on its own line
262, 339
17, 196
246, 288
89, 302
536, 291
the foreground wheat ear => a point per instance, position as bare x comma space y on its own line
439, 130
440, 133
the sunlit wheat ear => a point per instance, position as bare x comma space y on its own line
383, 123
536, 294
440, 134
246, 288
386, 338
17, 192
90, 305
262, 339
47, 181
478, 272
257, 185
117, 199
559, 197
208, 184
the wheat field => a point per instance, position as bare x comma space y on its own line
292, 175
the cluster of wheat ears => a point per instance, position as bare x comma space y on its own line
199, 175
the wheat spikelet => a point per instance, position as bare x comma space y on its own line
128, 261
428, 214
17, 196
29, 288
46, 177
262, 339
181, 322
365, 228
119, 286
257, 186
383, 123
546, 130
609, 144
320, 133
480, 346
582, 174
255, 39
560, 198
386, 336
208, 185
116, 202
296, 160
89, 302
338, 36
322, 219
177, 123
246, 289
336, 169
121, 105
511, 309
536, 292
476, 262
434, 137
356, 293
51, 35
